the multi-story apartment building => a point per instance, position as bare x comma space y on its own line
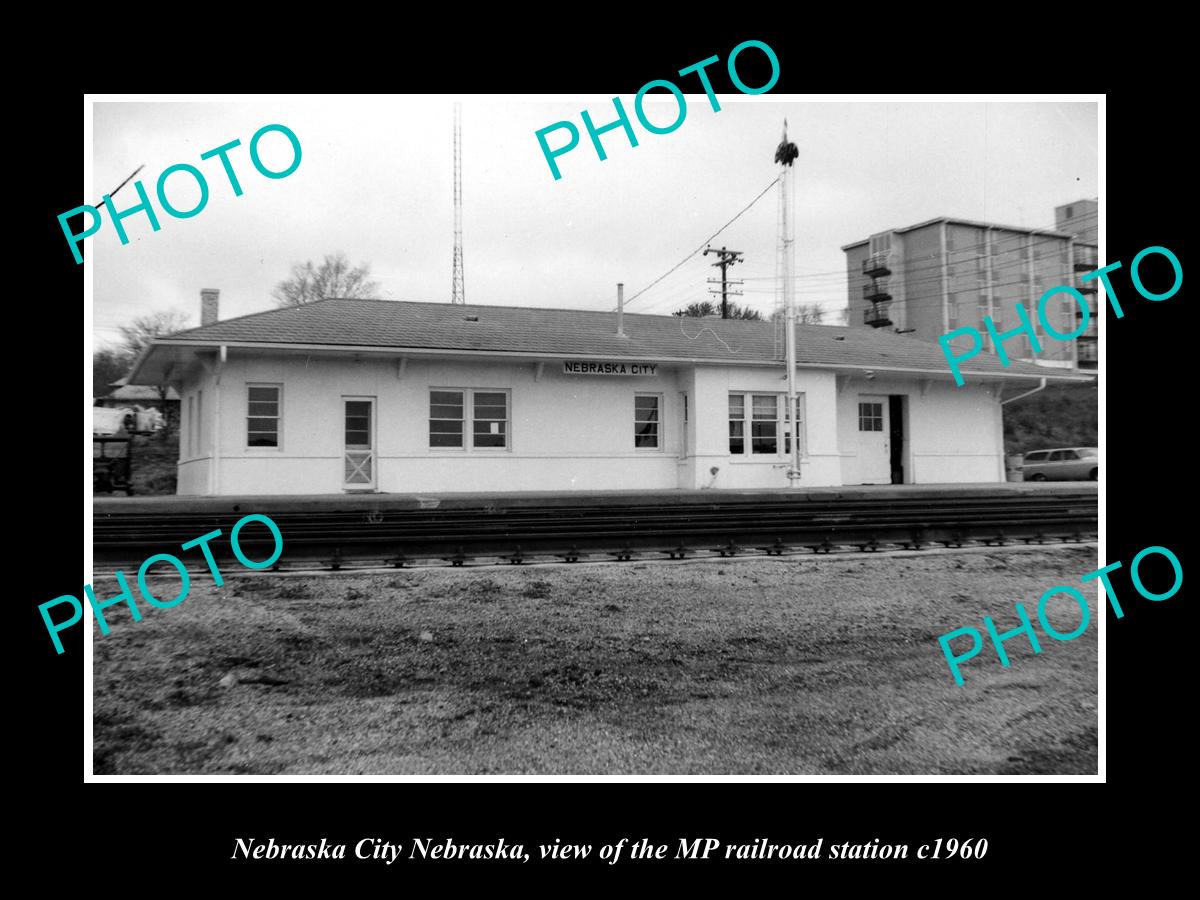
1081, 219
930, 278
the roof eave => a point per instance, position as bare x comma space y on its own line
536, 356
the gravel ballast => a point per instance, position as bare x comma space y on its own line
792, 665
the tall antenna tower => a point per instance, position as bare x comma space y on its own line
458, 293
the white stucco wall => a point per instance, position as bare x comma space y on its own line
820, 466
196, 410
952, 434
567, 432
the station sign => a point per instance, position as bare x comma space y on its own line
578, 367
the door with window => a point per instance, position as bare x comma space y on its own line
359, 459
874, 450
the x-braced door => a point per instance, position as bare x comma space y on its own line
360, 443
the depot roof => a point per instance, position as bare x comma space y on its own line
444, 329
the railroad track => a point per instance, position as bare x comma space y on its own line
353, 536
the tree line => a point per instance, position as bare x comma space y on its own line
307, 283
806, 313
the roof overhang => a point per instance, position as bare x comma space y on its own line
166, 359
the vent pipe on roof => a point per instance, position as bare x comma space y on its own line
620, 309
208, 306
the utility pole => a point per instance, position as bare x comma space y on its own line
785, 154
727, 259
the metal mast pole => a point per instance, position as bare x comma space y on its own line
458, 291
785, 154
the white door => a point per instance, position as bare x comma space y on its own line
359, 461
874, 450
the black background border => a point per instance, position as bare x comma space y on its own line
184, 828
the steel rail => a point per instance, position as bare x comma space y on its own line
395, 536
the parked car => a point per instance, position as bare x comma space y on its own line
1066, 464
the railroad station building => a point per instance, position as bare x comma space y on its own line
405, 397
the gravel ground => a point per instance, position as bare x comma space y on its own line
795, 665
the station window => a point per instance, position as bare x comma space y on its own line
737, 423
264, 403
490, 419
768, 418
645, 421
764, 424
482, 414
801, 432
870, 417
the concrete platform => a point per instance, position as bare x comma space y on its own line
105, 505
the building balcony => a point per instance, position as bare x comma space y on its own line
1088, 353
876, 265
1086, 259
876, 315
876, 292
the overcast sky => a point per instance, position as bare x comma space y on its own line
376, 178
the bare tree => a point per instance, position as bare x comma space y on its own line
141, 331
707, 309
335, 277
843, 316
138, 334
809, 314
107, 366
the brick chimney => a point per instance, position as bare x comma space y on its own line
208, 305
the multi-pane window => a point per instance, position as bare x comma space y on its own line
262, 415
645, 421
479, 413
490, 419
737, 423
801, 436
191, 419
446, 419
358, 424
764, 423
870, 417
768, 417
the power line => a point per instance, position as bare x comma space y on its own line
1001, 249
113, 192
704, 243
